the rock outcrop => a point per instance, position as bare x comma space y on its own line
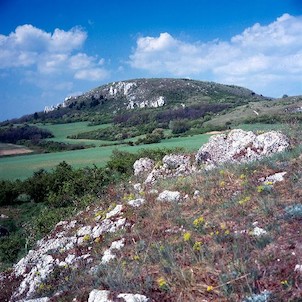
240, 146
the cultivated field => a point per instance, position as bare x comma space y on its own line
12, 149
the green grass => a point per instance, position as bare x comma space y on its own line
263, 127
61, 131
23, 166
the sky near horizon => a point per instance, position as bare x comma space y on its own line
52, 49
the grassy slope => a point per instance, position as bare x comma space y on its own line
241, 113
61, 131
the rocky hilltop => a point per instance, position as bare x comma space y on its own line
183, 229
153, 93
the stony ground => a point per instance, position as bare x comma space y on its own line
184, 229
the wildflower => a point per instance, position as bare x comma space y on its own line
244, 200
284, 282
260, 189
217, 232
86, 237
242, 176
209, 288
162, 284
223, 225
197, 246
221, 172
227, 232
198, 222
97, 240
222, 184
136, 257
187, 236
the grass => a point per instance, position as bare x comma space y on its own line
23, 166
203, 248
61, 131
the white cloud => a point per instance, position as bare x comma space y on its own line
261, 57
93, 74
49, 53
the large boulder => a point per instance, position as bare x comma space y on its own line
143, 166
241, 146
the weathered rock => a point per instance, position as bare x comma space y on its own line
133, 298
108, 254
174, 165
103, 296
136, 202
143, 166
272, 179
169, 196
99, 296
241, 146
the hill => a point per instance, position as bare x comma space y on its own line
103, 102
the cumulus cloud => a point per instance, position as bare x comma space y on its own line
260, 57
46, 53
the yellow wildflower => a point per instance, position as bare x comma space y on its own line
209, 288
198, 222
187, 236
162, 284
86, 237
197, 246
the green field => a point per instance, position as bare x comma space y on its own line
24, 165
61, 131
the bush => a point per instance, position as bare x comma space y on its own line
179, 126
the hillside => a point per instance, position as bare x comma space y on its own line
220, 225
104, 102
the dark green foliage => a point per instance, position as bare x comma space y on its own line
16, 134
51, 146
10, 247
179, 126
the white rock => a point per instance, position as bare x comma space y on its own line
86, 230
45, 299
241, 146
136, 202
117, 210
298, 268
169, 196
108, 254
143, 166
272, 179
137, 187
70, 258
258, 231
196, 194
99, 296
3, 216
133, 297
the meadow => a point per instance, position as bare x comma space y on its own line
23, 166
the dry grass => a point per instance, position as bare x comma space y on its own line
202, 248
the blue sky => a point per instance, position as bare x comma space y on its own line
52, 49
